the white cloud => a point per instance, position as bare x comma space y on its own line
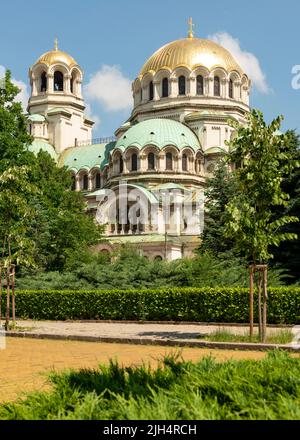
249, 63
90, 114
110, 88
23, 96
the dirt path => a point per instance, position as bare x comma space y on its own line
25, 362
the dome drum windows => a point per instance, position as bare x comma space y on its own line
217, 86
85, 182
97, 181
169, 161
230, 91
184, 162
151, 161
165, 88
181, 85
44, 81
200, 85
58, 81
134, 162
151, 91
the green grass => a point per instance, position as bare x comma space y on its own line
280, 337
268, 389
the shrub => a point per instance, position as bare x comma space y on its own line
175, 304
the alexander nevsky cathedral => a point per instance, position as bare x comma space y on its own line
184, 97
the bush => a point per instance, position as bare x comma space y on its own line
167, 304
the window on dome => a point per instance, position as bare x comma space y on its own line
151, 161
43, 82
181, 85
134, 162
58, 82
200, 85
217, 86
121, 165
151, 91
85, 182
230, 88
98, 181
141, 95
169, 161
165, 88
184, 162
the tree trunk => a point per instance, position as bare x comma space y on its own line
0, 294
13, 294
7, 314
265, 297
259, 286
251, 301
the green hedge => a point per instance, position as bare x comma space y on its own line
175, 304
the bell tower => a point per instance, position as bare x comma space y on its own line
56, 101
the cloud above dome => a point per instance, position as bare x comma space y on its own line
246, 60
110, 88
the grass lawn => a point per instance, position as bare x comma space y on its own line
280, 337
176, 389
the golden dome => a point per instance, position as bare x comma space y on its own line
191, 53
56, 56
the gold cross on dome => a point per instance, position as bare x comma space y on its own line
56, 44
191, 28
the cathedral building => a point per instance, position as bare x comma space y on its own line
146, 184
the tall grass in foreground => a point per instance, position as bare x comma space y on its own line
265, 389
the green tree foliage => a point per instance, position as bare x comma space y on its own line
263, 160
13, 133
220, 190
288, 253
59, 225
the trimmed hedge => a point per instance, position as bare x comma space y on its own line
168, 304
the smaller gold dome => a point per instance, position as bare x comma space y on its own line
191, 53
56, 56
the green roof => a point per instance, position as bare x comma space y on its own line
160, 133
36, 118
214, 150
89, 156
40, 145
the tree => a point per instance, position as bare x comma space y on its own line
14, 137
15, 218
219, 191
262, 159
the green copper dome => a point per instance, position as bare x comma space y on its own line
90, 156
40, 145
160, 133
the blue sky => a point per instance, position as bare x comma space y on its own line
122, 34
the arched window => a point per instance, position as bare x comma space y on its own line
73, 187
58, 82
151, 91
184, 162
141, 95
98, 181
217, 86
121, 165
165, 88
230, 88
151, 161
169, 161
134, 162
44, 82
200, 85
85, 182
181, 85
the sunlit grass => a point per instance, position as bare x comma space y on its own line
220, 335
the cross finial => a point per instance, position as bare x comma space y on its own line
191, 28
56, 44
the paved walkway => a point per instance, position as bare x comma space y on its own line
130, 332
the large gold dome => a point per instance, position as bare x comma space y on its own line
191, 53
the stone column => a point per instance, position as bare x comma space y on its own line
237, 90
173, 84
192, 89
91, 183
210, 86
156, 90
50, 83
77, 183
224, 88
67, 79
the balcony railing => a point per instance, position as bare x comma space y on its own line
104, 140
